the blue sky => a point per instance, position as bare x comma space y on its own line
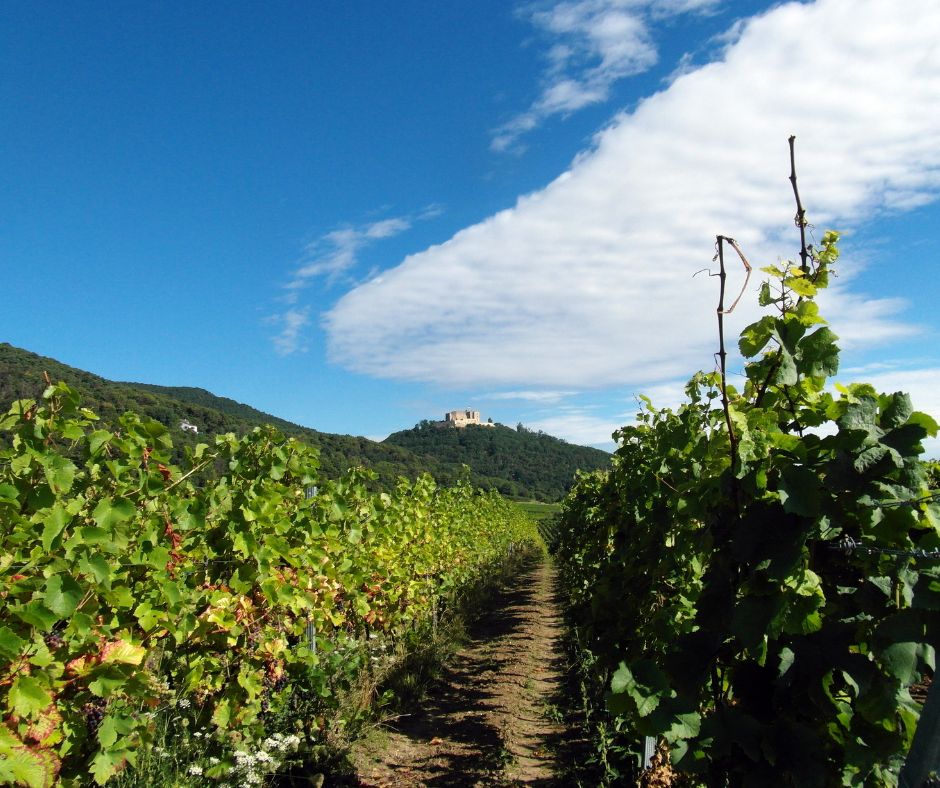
356, 219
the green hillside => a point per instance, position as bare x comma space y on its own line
21, 376
534, 464
537, 471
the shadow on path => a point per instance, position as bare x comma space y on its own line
496, 716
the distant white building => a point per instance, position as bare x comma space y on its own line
462, 418
185, 426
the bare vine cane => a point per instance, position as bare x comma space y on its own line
800, 221
722, 274
800, 218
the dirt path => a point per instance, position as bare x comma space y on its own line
495, 717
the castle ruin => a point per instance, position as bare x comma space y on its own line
463, 418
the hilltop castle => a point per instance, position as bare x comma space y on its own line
462, 418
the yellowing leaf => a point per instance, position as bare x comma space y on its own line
122, 652
35, 767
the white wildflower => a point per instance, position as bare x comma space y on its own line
195, 770
183, 703
213, 760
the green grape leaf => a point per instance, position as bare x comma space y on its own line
801, 286
786, 374
107, 733
171, 592
62, 595
28, 696
121, 596
98, 567
193, 677
775, 271
106, 764
37, 614
925, 421
111, 512
799, 490
54, 522
818, 354
60, 473
646, 684
765, 297
900, 660
896, 409
251, 682
97, 439
222, 713
862, 413
92, 535
107, 682
755, 337
906, 439
808, 313
869, 457
8, 493
11, 645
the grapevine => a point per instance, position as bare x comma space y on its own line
712, 600
129, 591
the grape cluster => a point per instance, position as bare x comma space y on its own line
272, 683
94, 712
53, 637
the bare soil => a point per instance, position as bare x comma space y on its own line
497, 715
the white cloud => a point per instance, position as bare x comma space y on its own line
588, 282
530, 396
292, 322
386, 228
595, 43
332, 255
337, 251
583, 425
580, 427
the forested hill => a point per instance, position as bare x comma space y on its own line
535, 464
21, 376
